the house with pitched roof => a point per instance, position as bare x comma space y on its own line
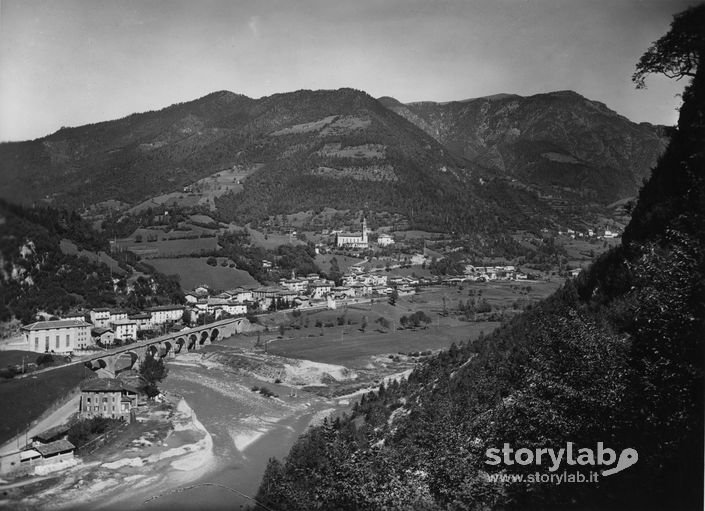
107, 397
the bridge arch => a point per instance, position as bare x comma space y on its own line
204, 337
214, 335
179, 344
152, 350
96, 364
192, 342
125, 361
167, 348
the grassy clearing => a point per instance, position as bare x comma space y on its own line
272, 240
194, 271
352, 348
344, 262
24, 400
14, 357
177, 247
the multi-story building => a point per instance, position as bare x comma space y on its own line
143, 320
241, 295
384, 240
107, 397
100, 317
124, 329
166, 313
60, 336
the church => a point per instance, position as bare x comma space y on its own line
353, 240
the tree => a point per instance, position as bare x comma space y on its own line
394, 297
678, 53
153, 370
186, 318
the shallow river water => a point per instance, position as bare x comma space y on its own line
246, 428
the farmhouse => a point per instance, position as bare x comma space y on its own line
353, 240
40, 459
107, 397
240, 295
320, 289
60, 336
384, 240
103, 335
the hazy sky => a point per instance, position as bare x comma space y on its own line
71, 62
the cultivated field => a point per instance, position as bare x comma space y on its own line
271, 241
194, 271
349, 347
169, 247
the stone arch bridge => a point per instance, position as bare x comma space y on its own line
112, 361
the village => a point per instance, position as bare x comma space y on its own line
82, 334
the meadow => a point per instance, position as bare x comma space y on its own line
194, 271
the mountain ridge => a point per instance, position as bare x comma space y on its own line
355, 151
534, 139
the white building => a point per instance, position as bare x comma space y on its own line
143, 320
384, 240
61, 336
353, 240
320, 289
100, 317
297, 285
165, 313
124, 329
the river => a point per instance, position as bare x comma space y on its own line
246, 429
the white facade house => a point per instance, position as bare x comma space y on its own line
60, 336
297, 285
124, 329
166, 313
384, 240
320, 290
100, 317
240, 295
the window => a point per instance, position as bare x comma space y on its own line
68, 340
105, 400
36, 344
57, 342
88, 400
46, 343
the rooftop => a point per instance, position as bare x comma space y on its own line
59, 323
54, 447
123, 322
105, 385
166, 308
50, 433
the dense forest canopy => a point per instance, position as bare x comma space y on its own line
615, 356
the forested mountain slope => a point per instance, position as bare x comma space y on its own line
615, 356
557, 142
